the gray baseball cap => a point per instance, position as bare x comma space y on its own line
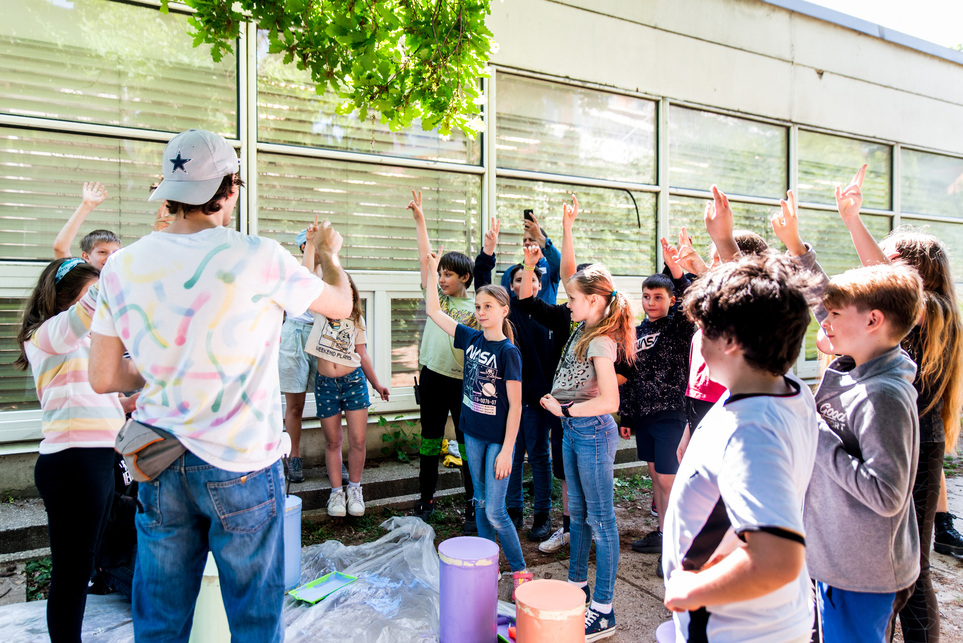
195, 163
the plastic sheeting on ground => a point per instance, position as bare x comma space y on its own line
394, 600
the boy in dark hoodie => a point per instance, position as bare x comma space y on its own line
652, 394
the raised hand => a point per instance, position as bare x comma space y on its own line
689, 258
434, 259
312, 230
719, 222
850, 199
327, 240
535, 231
491, 237
532, 255
785, 224
163, 218
415, 206
671, 257
569, 214
93, 194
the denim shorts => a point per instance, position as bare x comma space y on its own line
335, 394
296, 368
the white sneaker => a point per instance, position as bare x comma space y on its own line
336, 503
355, 501
557, 540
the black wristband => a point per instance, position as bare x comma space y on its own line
565, 409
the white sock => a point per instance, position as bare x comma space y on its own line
602, 608
584, 583
337, 490
356, 485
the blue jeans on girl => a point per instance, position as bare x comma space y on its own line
491, 515
588, 453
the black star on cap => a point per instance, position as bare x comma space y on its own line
179, 163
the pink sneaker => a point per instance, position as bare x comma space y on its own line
518, 579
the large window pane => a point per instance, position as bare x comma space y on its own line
951, 234
931, 184
40, 186
739, 155
407, 321
366, 203
290, 111
824, 230
563, 129
614, 227
690, 213
17, 392
826, 161
114, 63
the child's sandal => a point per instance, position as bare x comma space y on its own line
519, 578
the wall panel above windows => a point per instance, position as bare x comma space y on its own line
40, 187
112, 63
564, 129
739, 155
366, 203
290, 111
931, 184
614, 227
826, 161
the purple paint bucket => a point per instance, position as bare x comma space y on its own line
469, 590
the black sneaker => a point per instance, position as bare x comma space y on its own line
470, 528
424, 510
947, 540
658, 568
588, 594
653, 510
598, 625
541, 528
516, 517
295, 470
651, 543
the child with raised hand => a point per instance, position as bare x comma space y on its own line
936, 345
735, 546
584, 394
491, 408
864, 540
653, 389
75, 468
442, 365
96, 246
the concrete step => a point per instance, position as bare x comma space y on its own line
23, 523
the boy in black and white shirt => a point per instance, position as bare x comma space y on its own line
734, 554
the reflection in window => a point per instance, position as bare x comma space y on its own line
17, 391
739, 155
112, 63
562, 129
690, 213
951, 234
931, 184
407, 321
366, 203
827, 161
614, 227
824, 230
45, 173
290, 111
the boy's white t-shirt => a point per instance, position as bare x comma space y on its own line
200, 315
746, 469
336, 340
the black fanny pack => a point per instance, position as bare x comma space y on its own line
147, 451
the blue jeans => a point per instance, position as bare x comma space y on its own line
192, 507
491, 516
588, 453
533, 438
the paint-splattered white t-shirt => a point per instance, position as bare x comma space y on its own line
200, 315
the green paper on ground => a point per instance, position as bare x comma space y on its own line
321, 588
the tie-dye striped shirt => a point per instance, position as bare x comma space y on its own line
72, 414
200, 315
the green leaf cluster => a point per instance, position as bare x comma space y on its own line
399, 440
399, 60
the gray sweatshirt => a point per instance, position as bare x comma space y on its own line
861, 532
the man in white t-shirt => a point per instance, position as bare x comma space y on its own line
734, 545
198, 307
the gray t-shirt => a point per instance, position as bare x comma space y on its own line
575, 380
